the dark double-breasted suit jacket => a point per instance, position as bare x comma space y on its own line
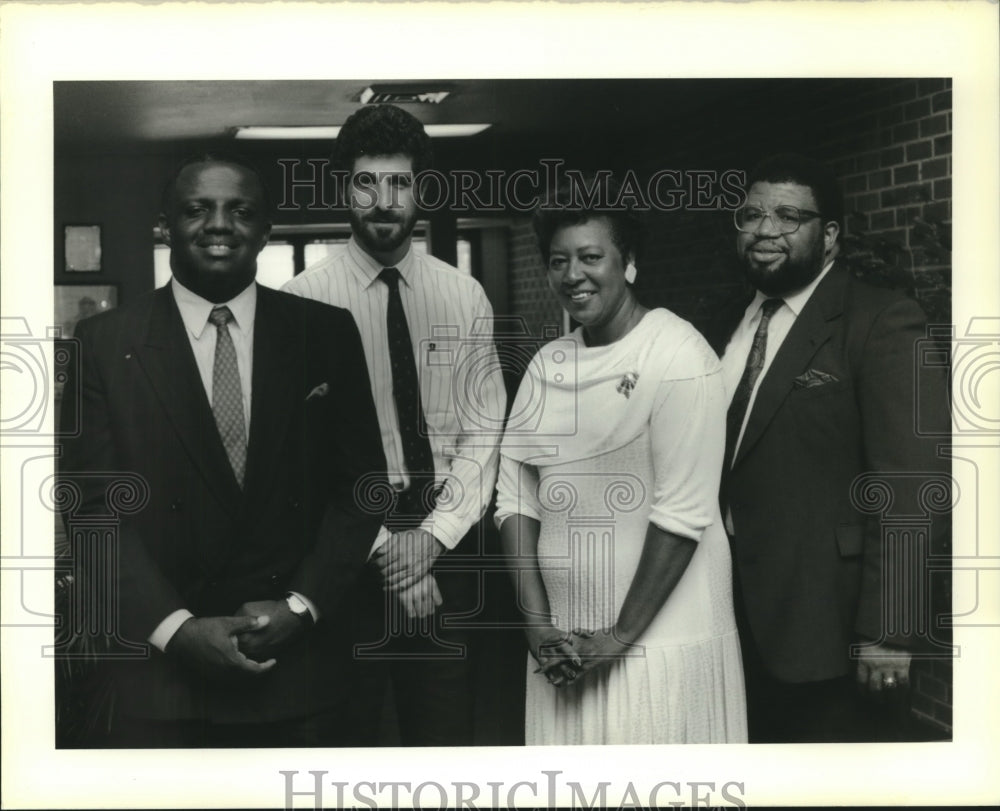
838, 402
201, 542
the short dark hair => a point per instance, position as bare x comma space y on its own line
569, 205
790, 167
167, 197
382, 129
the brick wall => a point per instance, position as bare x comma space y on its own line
932, 695
530, 297
896, 175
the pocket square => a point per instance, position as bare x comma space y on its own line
320, 391
814, 377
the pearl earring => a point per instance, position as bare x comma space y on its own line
630, 272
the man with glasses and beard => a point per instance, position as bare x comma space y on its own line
427, 334
820, 369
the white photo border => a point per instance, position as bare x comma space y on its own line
42, 44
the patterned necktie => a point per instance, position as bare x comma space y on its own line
411, 507
755, 363
227, 394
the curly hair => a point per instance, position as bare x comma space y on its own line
382, 130
576, 201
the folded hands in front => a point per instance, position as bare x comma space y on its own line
404, 562
566, 656
246, 643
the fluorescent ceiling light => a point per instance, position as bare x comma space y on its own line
286, 133
455, 130
329, 133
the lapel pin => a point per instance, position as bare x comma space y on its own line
320, 391
627, 383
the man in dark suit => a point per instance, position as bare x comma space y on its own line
820, 368
248, 414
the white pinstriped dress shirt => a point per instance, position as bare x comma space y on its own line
461, 386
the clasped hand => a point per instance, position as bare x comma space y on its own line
564, 657
406, 558
244, 643
405, 562
882, 668
210, 645
422, 598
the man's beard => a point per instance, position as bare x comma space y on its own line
789, 276
362, 223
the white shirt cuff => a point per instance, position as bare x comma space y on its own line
309, 604
445, 528
380, 540
165, 631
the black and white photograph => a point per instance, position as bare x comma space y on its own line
433, 432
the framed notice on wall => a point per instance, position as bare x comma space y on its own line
82, 248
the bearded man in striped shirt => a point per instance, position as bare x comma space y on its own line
427, 332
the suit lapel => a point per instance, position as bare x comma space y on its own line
810, 331
168, 362
275, 375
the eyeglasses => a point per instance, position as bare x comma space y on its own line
786, 219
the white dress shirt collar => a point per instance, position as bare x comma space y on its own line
195, 310
367, 268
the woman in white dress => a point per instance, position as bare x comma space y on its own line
608, 510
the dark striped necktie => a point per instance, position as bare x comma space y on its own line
755, 363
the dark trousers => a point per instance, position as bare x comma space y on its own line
326, 728
829, 711
425, 665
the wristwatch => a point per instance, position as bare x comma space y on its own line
298, 607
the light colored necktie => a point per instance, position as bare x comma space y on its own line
227, 394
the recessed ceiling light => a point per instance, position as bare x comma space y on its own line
329, 133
